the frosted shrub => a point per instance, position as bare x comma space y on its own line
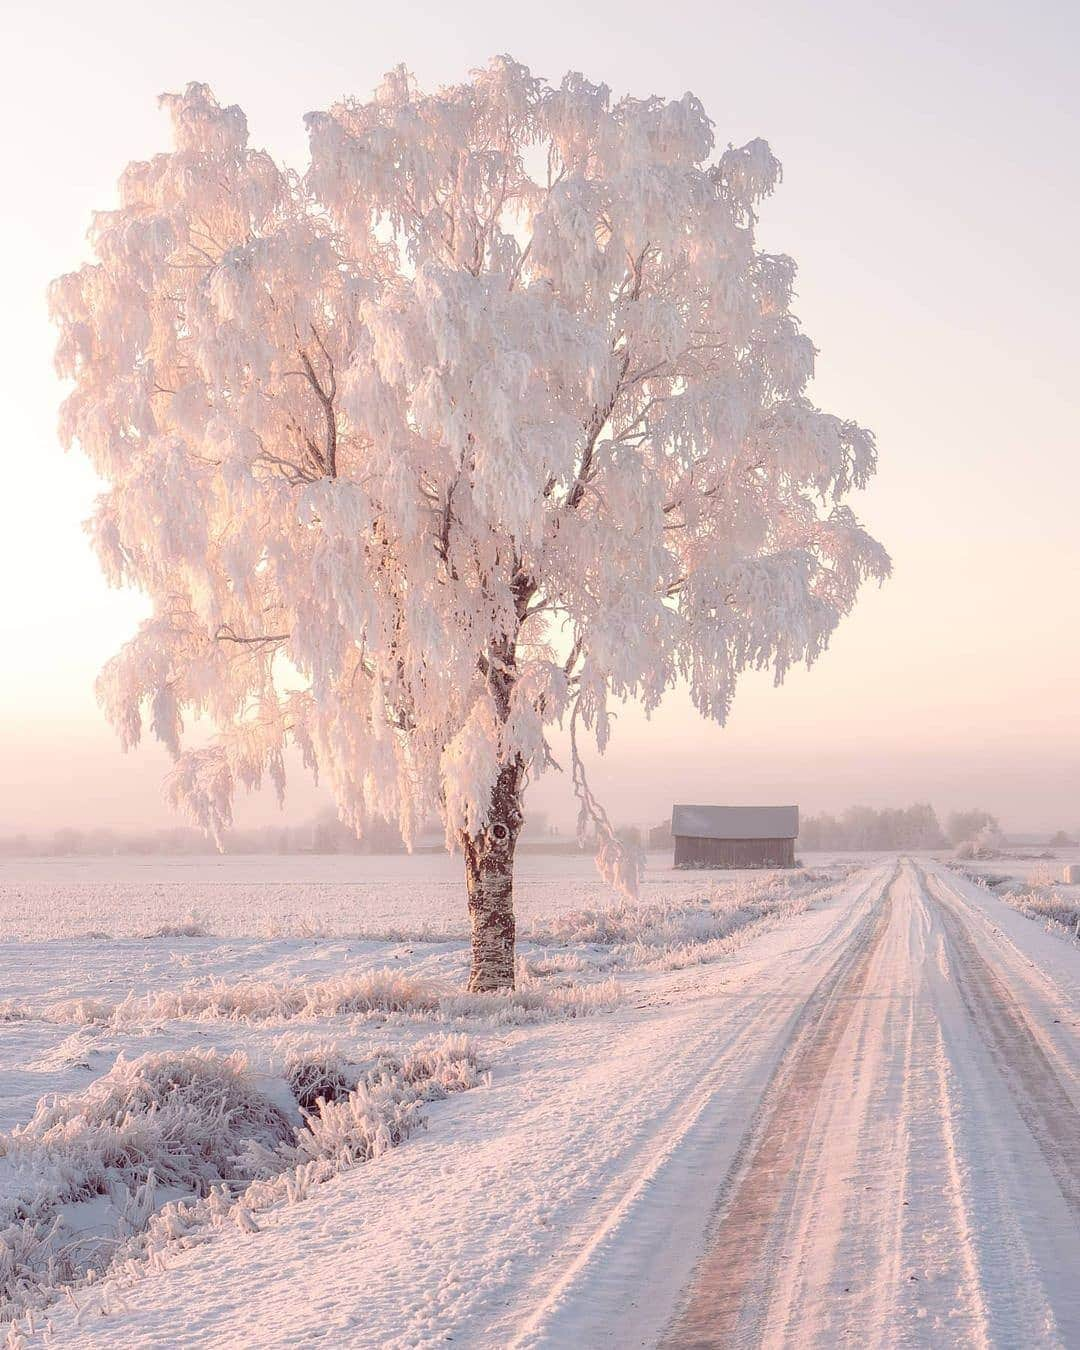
82, 1012
162, 1148
183, 1115
188, 928
1046, 902
322, 1075
671, 934
382, 993
533, 1002
1041, 875
319, 1077
384, 1109
381, 1111
1039, 898
88, 1168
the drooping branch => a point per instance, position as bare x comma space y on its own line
620, 863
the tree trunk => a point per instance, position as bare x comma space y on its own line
489, 875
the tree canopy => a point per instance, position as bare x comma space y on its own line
494, 415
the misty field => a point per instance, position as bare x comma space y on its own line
306, 896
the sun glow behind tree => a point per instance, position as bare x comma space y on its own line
493, 416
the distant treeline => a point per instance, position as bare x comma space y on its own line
311, 837
324, 834
916, 826
863, 827
858, 828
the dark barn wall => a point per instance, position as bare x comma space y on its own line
733, 852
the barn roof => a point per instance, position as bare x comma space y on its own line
735, 822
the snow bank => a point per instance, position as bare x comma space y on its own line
165, 1146
674, 933
1039, 897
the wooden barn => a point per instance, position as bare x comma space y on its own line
735, 836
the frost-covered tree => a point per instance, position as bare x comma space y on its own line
864, 827
492, 417
966, 825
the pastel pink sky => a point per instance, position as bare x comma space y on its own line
930, 199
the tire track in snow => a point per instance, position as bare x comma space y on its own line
913, 1177
1040, 1096
626, 1270
729, 1292
935, 1290
1017, 1133
865, 1248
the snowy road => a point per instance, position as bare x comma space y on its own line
913, 1177
861, 1128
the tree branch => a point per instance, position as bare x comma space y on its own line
226, 634
326, 398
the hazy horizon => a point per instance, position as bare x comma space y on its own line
928, 202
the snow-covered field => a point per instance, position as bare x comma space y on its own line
762, 1109
307, 895
117, 972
